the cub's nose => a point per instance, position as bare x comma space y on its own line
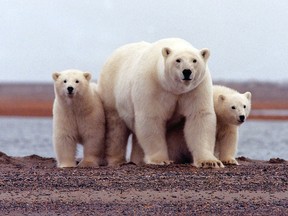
186, 73
242, 118
70, 89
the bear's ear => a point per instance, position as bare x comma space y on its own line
205, 53
221, 98
248, 95
55, 76
166, 51
87, 76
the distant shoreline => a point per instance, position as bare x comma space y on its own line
36, 108
36, 99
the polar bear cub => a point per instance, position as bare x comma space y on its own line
147, 86
78, 118
232, 109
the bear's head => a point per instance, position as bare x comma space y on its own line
233, 108
71, 83
185, 68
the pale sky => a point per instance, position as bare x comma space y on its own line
248, 39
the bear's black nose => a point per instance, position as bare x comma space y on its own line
186, 74
70, 89
242, 118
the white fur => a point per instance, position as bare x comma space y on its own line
228, 121
143, 91
229, 106
77, 118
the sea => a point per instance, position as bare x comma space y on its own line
24, 136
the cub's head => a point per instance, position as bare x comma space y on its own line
234, 108
185, 68
71, 83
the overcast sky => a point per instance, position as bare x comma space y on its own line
248, 39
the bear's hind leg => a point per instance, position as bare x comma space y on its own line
92, 154
137, 154
117, 135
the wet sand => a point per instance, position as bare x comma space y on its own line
34, 186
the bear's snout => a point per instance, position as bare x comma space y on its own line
186, 73
70, 89
242, 118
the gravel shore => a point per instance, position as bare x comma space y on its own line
34, 186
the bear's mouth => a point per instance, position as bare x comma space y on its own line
186, 79
240, 122
70, 94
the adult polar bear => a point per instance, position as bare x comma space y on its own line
145, 87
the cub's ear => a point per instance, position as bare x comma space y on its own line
166, 51
205, 53
248, 95
87, 76
55, 76
221, 98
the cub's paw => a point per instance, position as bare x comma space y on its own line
66, 165
209, 164
116, 163
230, 161
86, 163
158, 162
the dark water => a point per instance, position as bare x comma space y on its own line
263, 139
25, 136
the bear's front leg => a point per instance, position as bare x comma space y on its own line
227, 146
200, 132
65, 149
150, 132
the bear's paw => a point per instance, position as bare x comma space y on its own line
67, 165
85, 163
115, 162
159, 162
230, 161
209, 164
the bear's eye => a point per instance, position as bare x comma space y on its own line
65, 81
194, 60
244, 106
233, 107
77, 81
178, 60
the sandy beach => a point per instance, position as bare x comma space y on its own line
33, 185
